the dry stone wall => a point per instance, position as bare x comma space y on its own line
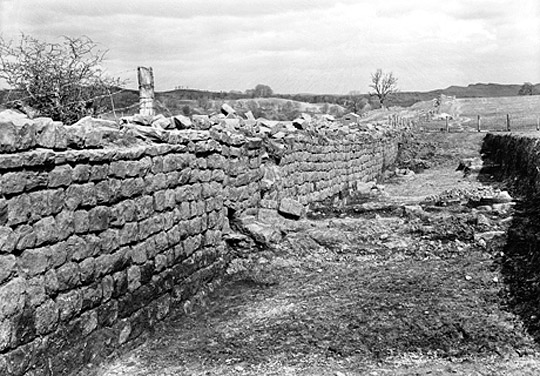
103, 235
517, 157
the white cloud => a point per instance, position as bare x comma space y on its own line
299, 45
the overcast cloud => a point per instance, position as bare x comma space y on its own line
318, 46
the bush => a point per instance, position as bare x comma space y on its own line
62, 80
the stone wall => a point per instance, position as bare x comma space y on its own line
517, 158
104, 233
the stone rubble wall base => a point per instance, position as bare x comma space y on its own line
100, 244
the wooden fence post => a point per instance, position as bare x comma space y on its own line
146, 91
538, 123
508, 122
447, 127
478, 123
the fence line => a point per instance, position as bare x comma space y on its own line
496, 122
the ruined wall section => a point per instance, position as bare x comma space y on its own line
103, 235
96, 246
518, 159
313, 169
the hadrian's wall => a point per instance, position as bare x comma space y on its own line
105, 231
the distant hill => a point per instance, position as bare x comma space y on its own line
479, 90
185, 100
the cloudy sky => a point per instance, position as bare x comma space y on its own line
316, 46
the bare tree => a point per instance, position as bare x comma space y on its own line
383, 84
64, 80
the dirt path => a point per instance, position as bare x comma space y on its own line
407, 283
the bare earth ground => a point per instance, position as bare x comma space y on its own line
370, 288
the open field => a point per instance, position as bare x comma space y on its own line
524, 112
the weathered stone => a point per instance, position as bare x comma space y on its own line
55, 200
132, 187
89, 322
69, 304
69, 276
138, 253
162, 122
292, 208
77, 249
120, 284
134, 278
98, 218
40, 205
64, 224
99, 172
87, 268
129, 233
35, 290
45, 132
26, 237
9, 137
58, 254
34, 261
45, 230
12, 296
60, 176
182, 122
107, 284
51, 282
81, 173
81, 222
3, 212
12, 182
109, 241
8, 239
6, 335
19, 209
46, 317
7, 267
91, 296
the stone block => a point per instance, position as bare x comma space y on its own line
160, 262
81, 173
12, 182
45, 230
46, 317
107, 285
55, 200
87, 270
35, 291
132, 187
81, 222
91, 296
138, 254
12, 296
102, 192
7, 267
134, 278
51, 282
19, 209
98, 218
64, 224
99, 172
129, 233
3, 212
26, 238
69, 276
69, 305
60, 176
6, 336
120, 284
291, 208
34, 261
